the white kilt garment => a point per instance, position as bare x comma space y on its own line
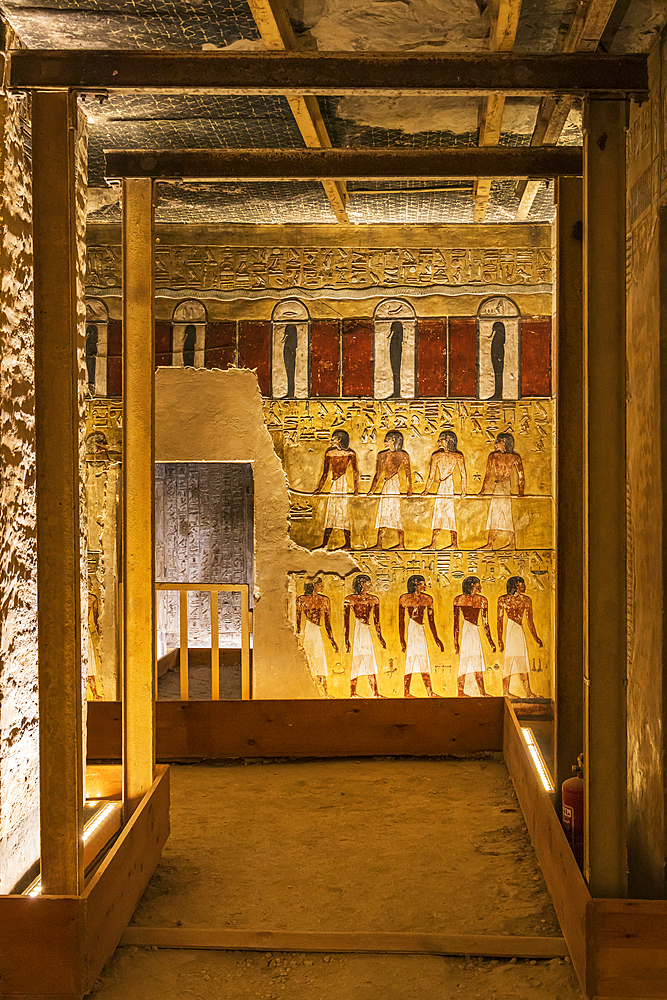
416, 652
471, 660
363, 655
389, 509
314, 649
516, 651
500, 510
338, 511
443, 509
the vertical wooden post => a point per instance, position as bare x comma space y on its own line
569, 716
57, 344
215, 648
138, 493
184, 655
245, 644
605, 844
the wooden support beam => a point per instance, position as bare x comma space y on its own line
291, 73
359, 942
274, 26
58, 346
569, 694
504, 25
337, 164
605, 639
588, 26
138, 493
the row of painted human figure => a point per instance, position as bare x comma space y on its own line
413, 608
445, 461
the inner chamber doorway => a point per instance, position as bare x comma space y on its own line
203, 535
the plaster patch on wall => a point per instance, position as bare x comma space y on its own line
217, 416
434, 114
19, 736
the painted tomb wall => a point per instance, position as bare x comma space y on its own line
386, 376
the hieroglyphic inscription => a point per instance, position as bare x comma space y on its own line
203, 535
256, 268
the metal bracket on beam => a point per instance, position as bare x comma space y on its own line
321, 74
344, 164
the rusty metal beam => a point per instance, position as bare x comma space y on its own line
300, 73
340, 164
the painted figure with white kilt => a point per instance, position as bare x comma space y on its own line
315, 606
415, 605
444, 463
388, 465
363, 606
338, 458
468, 607
502, 464
515, 604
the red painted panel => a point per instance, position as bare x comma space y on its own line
163, 343
220, 345
432, 357
114, 338
163, 360
255, 351
536, 356
357, 357
324, 358
463, 356
114, 376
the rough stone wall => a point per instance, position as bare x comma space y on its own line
19, 778
81, 187
645, 450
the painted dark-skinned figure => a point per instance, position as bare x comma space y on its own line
92, 336
498, 358
395, 356
289, 357
189, 342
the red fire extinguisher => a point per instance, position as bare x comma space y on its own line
573, 810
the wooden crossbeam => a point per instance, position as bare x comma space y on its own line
504, 25
275, 27
589, 24
341, 164
301, 73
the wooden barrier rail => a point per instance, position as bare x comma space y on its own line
213, 589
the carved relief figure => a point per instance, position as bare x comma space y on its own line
388, 465
469, 606
395, 355
94, 665
189, 344
444, 463
363, 605
416, 603
289, 357
339, 457
92, 336
501, 465
515, 604
315, 606
498, 358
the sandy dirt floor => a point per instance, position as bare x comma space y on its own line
387, 844
396, 845
199, 683
206, 975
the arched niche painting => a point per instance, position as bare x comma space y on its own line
290, 326
97, 324
188, 326
498, 349
394, 325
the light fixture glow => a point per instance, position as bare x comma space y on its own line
538, 759
35, 888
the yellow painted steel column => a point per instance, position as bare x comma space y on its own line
569, 714
138, 493
57, 343
605, 659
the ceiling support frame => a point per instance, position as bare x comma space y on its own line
293, 73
